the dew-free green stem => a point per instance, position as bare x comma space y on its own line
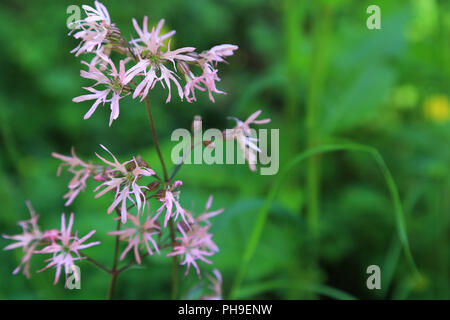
292, 34
166, 181
317, 75
114, 272
96, 263
174, 263
155, 137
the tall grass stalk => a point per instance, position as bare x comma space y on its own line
322, 16
261, 219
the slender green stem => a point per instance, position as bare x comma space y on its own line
131, 206
114, 272
174, 263
178, 166
166, 181
130, 264
317, 72
96, 263
292, 19
155, 137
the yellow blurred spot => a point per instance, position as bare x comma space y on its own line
437, 108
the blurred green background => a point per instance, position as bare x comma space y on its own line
311, 66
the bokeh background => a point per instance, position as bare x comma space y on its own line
320, 74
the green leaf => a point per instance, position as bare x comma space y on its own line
254, 289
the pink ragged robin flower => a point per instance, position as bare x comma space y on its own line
151, 41
199, 226
216, 286
122, 178
93, 30
243, 135
114, 83
154, 57
206, 215
194, 244
81, 171
218, 53
140, 234
169, 198
28, 240
66, 250
245, 125
207, 80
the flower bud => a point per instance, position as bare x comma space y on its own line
114, 35
51, 235
141, 162
183, 67
160, 194
185, 226
153, 186
130, 166
197, 123
209, 144
177, 184
193, 54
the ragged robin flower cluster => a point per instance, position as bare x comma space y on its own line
160, 224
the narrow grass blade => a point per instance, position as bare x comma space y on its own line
264, 211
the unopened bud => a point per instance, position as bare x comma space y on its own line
177, 184
160, 194
126, 89
197, 123
183, 67
185, 226
130, 166
51, 235
114, 35
193, 54
209, 144
142, 163
145, 53
153, 185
